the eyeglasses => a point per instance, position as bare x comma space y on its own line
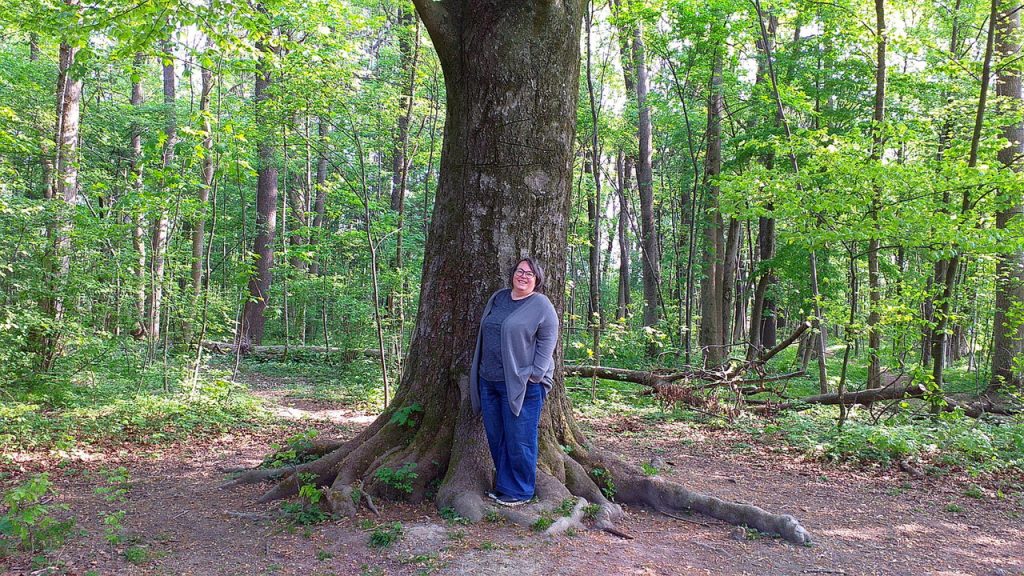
524, 273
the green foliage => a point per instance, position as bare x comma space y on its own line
400, 479
543, 522
590, 511
648, 469
604, 479
404, 416
565, 507
306, 511
301, 514
452, 517
116, 483
27, 523
384, 535
974, 491
113, 527
323, 555
108, 405
951, 440
295, 451
137, 555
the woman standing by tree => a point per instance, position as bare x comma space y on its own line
511, 375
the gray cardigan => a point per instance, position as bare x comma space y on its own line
528, 338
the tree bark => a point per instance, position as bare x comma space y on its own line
1007, 325
877, 153
712, 328
251, 333
645, 186
64, 192
158, 241
763, 323
137, 219
199, 227
594, 317
320, 199
624, 299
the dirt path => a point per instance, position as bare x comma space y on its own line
178, 522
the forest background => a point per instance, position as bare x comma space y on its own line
184, 179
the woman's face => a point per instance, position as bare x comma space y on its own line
523, 279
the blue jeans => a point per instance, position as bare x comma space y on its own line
512, 439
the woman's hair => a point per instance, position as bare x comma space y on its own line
538, 272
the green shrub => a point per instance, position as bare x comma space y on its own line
27, 523
294, 452
385, 535
400, 479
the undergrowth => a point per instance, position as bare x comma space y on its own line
110, 404
946, 441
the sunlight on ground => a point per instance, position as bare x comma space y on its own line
858, 533
335, 416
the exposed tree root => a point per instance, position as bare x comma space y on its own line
450, 454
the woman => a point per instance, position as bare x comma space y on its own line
511, 374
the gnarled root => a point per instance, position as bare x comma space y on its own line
633, 487
451, 453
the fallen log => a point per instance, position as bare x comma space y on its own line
895, 391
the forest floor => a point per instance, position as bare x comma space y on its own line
176, 520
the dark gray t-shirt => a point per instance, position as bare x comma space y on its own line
491, 367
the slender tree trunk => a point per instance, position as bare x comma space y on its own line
624, 297
820, 338
645, 185
952, 267
138, 220
158, 241
763, 324
199, 227
730, 268
320, 202
64, 193
712, 329
877, 153
1007, 324
266, 214
33, 47
594, 318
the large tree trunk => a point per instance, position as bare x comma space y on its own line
504, 192
251, 333
1008, 326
